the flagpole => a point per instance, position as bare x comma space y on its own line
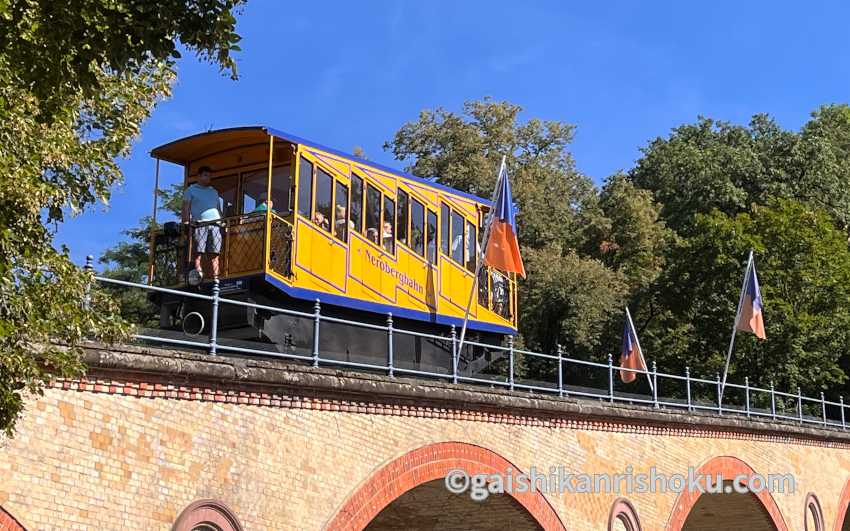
640, 350
735, 327
480, 253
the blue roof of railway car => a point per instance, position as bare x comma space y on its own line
299, 140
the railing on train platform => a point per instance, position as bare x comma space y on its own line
238, 240
779, 402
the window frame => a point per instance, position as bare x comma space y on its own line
431, 257
421, 251
445, 229
300, 207
403, 212
248, 174
452, 235
393, 232
214, 179
470, 238
358, 224
347, 218
329, 217
289, 210
366, 202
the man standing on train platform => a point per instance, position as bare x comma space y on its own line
202, 208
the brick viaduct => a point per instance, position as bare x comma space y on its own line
166, 440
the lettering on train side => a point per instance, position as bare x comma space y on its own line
400, 277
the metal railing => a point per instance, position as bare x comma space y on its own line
776, 404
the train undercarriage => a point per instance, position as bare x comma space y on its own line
241, 327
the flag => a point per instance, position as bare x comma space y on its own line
502, 247
630, 355
750, 317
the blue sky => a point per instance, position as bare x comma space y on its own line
350, 74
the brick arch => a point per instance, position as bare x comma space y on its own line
813, 505
426, 464
843, 503
8, 522
207, 512
728, 467
623, 509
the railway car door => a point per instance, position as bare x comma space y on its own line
322, 226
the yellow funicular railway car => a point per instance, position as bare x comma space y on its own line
302, 223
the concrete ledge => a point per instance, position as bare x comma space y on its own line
185, 367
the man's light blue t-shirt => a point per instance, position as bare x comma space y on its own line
205, 201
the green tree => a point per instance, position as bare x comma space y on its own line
822, 157
571, 293
77, 79
718, 169
129, 261
464, 151
627, 234
716, 165
803, 264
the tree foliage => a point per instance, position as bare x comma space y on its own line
669, 237
464, 151
726, 189
572, 293
803, 263
129, 260
77, 79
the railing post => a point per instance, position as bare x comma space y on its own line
800, 404
511, 361
747, 395
560, 370
719, 396
454, 354
89, 268
843, 424
610, 378
823, 407
390, 344
317, 318
655, 385
216, 292
688, 386
772, 401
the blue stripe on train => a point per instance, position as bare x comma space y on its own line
348, 302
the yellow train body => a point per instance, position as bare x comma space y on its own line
347, 231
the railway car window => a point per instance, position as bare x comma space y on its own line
506, 310
305, 187
471, 246
357, 202
445, 213
432, 237
324, 191
373, 214
401, 222
226, 187
341, 221
388, 234
417, 227
457, 237
282, 190
254, 191
499, 292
